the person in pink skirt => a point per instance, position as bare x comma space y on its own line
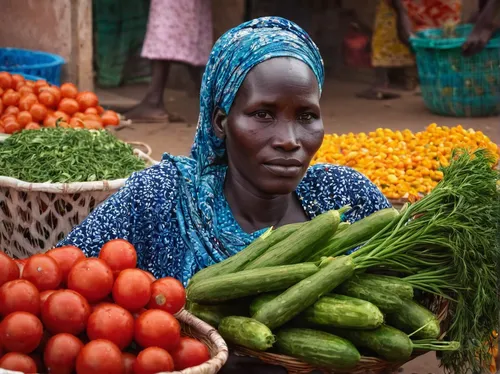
178, 31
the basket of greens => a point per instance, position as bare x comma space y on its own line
53, 178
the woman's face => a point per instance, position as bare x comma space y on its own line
274, 127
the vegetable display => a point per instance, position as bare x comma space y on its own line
443, 245
67, 155
32, 105
401, 163
61, 312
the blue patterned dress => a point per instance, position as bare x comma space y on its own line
175, 213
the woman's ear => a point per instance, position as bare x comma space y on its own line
219, 122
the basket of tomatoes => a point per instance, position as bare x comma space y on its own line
28, 104
61, 312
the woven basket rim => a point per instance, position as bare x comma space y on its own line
73, 187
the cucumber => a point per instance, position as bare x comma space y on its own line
248, 282
246, 332
317, 348
389, 343
296, 247
412, 317
305, 293
213, 314
356, 234
343, 312
386, 302
247, 255
388, 284
261, 300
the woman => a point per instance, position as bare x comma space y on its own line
259, 126
178, 31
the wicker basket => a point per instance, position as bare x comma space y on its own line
195, 328
367, 365
35, 216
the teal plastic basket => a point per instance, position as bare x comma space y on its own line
454, 85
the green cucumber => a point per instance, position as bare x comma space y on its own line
388, 284
261, 300
222, 288
246, 332
415, 320
386, 302
213, 314
254, 250
356, 234
317, 348
296, 247
305, 293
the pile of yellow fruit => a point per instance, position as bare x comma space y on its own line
402, 164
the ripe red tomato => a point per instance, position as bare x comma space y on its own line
111, 322
12, 127
86, 100
19, 296
69, 90
92, 278
128, 360
5, 80
21, 332
27, 101
10, 270
66, 257
44, 296
65, 311
18, 362
11, 97
33, 126
132, 289
119, 254
190, 352
167, 294
61, 353
156, 328
153, 360
43, 272
99, 356
150, 276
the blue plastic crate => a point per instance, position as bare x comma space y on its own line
30, 77
454, 85
36, 63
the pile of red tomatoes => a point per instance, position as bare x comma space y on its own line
64, 313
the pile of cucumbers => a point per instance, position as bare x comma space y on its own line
282, 294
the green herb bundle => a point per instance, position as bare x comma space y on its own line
60, 155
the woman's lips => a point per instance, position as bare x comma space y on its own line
288, 171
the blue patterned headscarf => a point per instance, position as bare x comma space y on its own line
232, 57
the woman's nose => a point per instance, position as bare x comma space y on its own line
285, 137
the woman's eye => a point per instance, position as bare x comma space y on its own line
263, 115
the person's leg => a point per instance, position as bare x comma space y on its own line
196, 74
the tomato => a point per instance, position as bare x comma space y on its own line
76, 123
17, 79
44, 296
43, 272
39, 112
21, 332
50, 121
12, 110
20, 264
48, 99
79, 115
100, 356
86, 100
19, 296
167, 294
128, 360
100, 109
153, 360
110, 118
156, 328
40, 84
69, 106
93, 117
190, 352
59, 114
92, 125
37, 358
27, 101
1, 106
111, 322
18, 362
92, 278
24, 90
132, 289
10, 270
65, 311
12, 127
66, 257
119, 254
24, 117
63, 124
138, 313
61, 353
150, 276
91, 111
5, 80
55, 91
69, 90
33, 126
11, 97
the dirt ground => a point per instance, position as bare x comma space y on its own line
342, 112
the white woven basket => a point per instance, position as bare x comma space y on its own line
195, 328
35, 216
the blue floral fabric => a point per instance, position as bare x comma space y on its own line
175, 213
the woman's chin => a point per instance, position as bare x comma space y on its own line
280, 186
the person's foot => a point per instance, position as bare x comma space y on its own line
145, 112
377, 94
